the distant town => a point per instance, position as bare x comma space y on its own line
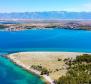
45, 24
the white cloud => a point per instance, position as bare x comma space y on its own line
87, 6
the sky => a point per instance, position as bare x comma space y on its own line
44, 5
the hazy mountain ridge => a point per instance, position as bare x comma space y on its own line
46, 15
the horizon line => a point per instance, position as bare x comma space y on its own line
42, 11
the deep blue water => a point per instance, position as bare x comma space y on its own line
9, 22
46, 40
37, 40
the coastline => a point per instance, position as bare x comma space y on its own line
47, 79
45, 28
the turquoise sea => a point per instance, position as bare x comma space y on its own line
12, 74
37, 40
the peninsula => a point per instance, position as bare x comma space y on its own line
49, 65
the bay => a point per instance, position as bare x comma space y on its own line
37, 40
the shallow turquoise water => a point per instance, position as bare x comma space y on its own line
12, 74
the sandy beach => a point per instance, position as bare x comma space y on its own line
45, 59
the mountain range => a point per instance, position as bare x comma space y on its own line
46, 15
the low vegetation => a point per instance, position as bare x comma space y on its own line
2, 26
85, 27
79, 71
41, 69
